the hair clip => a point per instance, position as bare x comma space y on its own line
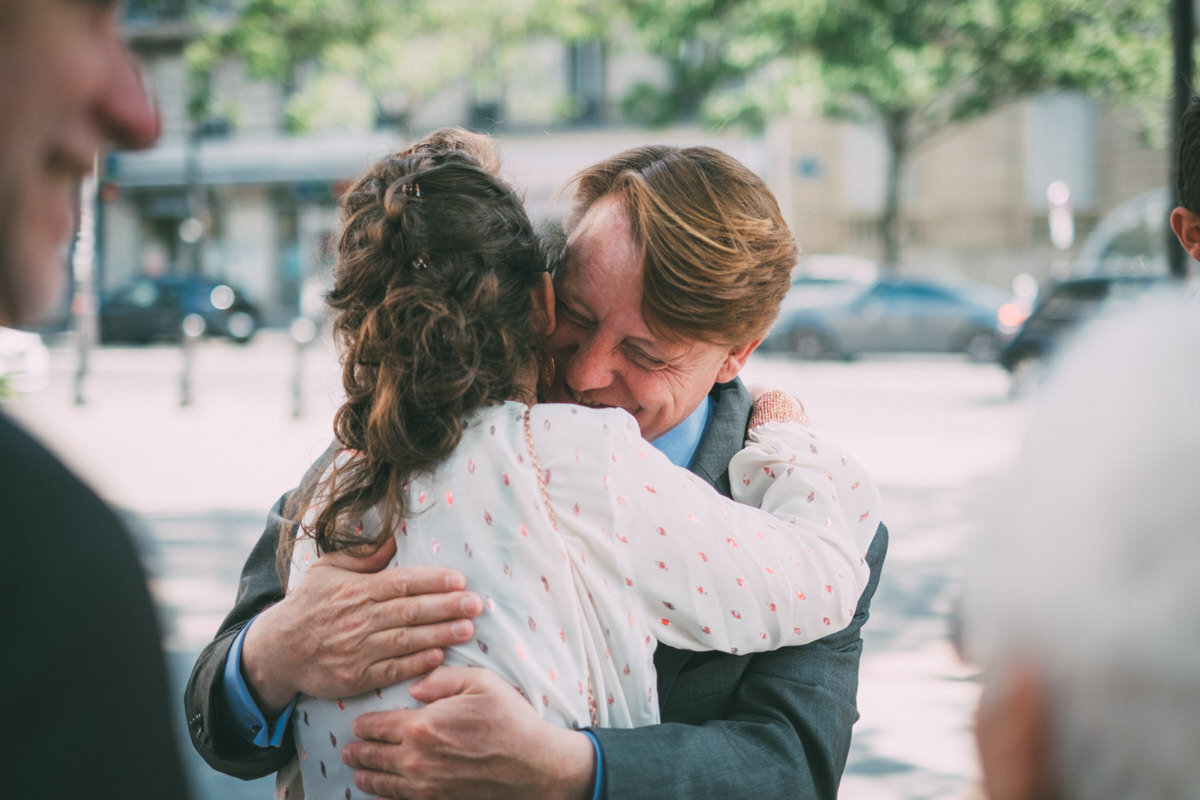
420, 261
410, 189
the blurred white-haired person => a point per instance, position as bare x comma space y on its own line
1082, 602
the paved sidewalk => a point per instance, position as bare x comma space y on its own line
196, 483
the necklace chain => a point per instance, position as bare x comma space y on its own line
541, 479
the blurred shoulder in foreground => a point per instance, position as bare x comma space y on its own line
1082, 593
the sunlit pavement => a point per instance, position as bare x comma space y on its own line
196, 482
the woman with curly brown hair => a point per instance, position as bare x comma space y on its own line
588, 545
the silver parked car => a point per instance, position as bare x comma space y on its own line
899, 314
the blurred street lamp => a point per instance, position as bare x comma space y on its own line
191, 230
1062, 226
1062, 216
1025, 291
303, 331
192, 328
83, 283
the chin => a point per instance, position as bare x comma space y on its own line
35, 279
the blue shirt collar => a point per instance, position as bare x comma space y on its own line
681, 442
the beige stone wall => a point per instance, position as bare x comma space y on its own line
967, 207
812, 201
1130, 165
967, 185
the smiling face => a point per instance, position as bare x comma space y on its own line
69, 88
604, 352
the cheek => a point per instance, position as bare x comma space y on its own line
651, 393
563, 341
30, 246
28, 284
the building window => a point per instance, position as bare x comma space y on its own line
586, 80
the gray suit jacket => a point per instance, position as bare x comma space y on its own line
769, 725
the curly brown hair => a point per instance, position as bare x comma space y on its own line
432, 289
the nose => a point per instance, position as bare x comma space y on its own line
126, 111
592, 365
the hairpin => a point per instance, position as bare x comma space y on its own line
420, 261
410, 189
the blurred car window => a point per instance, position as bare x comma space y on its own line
809, 291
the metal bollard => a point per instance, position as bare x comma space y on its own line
303, 331
192, 329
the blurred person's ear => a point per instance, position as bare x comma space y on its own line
1011, 734
543, 306
1186, 225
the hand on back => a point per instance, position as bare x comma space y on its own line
354, 625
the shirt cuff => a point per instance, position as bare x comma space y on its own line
597, 792
248, 719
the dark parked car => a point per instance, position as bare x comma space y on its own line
1062, 308
898, 314
150, 309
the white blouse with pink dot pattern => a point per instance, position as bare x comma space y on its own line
644, 552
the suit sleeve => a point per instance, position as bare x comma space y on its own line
212, 733
785, 730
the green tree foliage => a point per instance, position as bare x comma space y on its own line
911, 66
400, 51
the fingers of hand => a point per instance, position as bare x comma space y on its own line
414, 581
402, 653
384, 643
427, 610
378, 769
376, 730
446, 682
777, 406
393, 670
382, 785
398, 638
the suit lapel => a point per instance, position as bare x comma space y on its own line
725, 434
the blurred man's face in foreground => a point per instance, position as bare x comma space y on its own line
70, 87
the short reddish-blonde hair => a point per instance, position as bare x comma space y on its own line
717, 256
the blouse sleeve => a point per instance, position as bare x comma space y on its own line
714, 574
304, 546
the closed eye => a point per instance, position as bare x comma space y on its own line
644, 360
572, 317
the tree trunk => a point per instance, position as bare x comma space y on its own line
891, 224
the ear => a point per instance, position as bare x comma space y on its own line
1187, 229
1011, 734
543, 306
735, 360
